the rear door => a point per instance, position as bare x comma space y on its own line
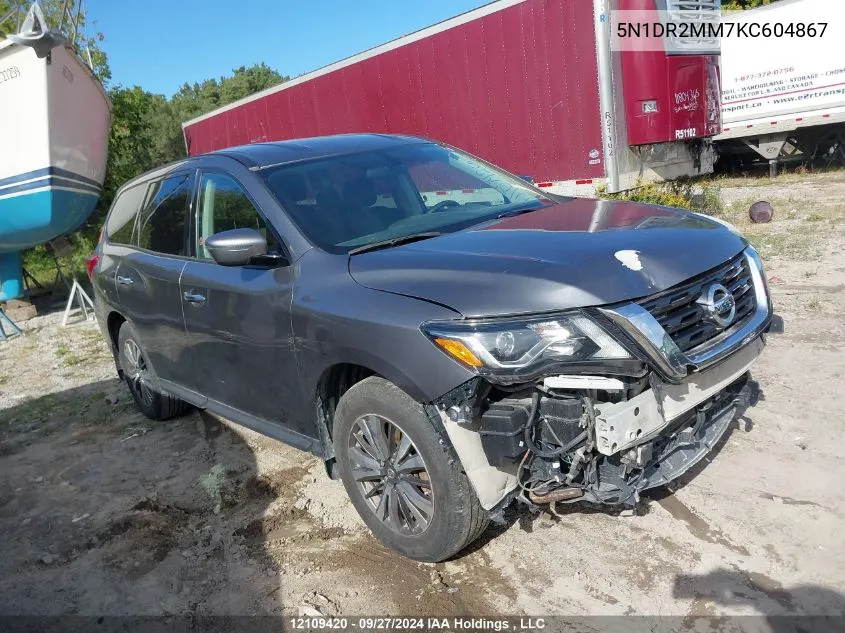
147, 279
238, 318
118, 240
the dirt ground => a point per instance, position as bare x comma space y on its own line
103, 512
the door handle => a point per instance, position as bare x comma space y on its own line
124, 281
193, 297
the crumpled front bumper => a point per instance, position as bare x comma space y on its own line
692, 440
659, 434
630, 423
688, 421
683, 445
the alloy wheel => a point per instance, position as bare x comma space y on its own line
391, 475
138, 375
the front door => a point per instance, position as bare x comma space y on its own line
147, 279
238, 317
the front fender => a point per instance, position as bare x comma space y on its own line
336, 321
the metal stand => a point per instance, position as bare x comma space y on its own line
60, 276
60, 247
16, 331
76, 292
30, 281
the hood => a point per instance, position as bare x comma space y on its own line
578, 253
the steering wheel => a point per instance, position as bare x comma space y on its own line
442, 206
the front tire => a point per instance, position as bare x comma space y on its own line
401, 476
153, 403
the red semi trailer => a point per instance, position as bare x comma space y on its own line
531, 85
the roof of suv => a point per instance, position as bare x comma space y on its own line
258, 155
278, 152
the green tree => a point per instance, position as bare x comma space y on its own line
246, 81
734, 5
193, 100
147, 128
130, 139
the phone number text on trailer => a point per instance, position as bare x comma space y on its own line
712, 30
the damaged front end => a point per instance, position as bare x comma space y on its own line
601, 404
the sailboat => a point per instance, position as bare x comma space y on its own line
54, 128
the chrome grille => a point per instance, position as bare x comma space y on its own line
684, 320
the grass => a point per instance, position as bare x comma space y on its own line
67, 357
88, 347
798, 229
788, 174
16, 351
83, 345
50, 413
800, 225
83, 407
696, 194
214, 482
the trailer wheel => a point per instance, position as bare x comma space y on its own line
399, 476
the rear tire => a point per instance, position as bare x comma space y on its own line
406, 484
153, 403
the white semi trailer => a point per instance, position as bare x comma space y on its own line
783, 84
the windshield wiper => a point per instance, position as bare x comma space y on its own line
512, 212
394, 241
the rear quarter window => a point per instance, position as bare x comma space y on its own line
121, 221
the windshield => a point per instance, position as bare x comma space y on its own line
343, 203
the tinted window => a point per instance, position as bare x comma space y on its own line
163, 220
122, 217
223, 205
344, 202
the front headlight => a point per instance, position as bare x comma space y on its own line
508, 346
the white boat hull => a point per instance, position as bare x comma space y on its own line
53, 150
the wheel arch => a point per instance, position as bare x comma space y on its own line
113, 323
335, 381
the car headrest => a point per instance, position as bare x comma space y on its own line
359, 192
289, 187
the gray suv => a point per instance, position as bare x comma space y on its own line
448, 338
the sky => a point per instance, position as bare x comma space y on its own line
159, 45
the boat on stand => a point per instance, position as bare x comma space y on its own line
55, 118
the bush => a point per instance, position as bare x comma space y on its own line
39, 262
683, 194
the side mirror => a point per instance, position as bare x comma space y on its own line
236, 247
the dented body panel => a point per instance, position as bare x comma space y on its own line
579, 253
623, 425
619, 427
491, 483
